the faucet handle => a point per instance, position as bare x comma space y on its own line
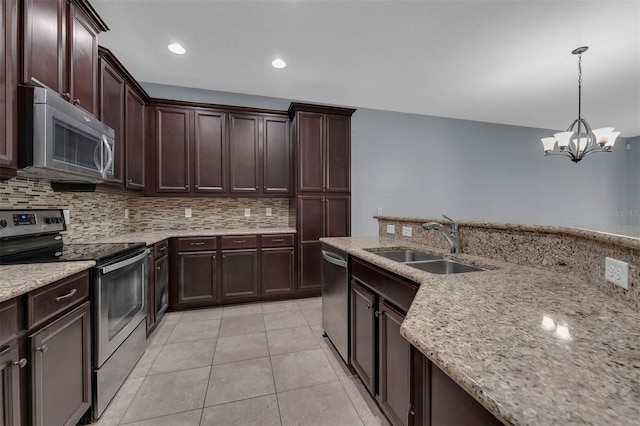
454, 224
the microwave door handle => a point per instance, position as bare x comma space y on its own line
109, 156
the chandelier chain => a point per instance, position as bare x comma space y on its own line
579, 86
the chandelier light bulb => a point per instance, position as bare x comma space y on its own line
278, 63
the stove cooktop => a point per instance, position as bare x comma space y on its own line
99, 252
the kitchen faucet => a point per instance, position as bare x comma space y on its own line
452, 236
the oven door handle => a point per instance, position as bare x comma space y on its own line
126, 262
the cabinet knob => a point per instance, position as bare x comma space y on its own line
66, 95
22, 363
76, 101
369, 306
186, 186
43, 348
197, 186
129, 180
157, 268
378, 313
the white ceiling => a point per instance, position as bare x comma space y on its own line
496, 61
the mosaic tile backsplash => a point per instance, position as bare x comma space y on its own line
564, 250
99, 215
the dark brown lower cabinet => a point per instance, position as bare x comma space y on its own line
277, 269
363, 335
310, 266
10, 364
161, 295
395, 365
197, 278
61, 369
379, 354
239, 274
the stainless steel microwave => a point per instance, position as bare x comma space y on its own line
60, 142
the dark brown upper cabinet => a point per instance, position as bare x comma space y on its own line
8, 88
60, 49
244, 153
121, 103
134, 142
201, 150
323, 139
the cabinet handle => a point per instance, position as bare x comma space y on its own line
201, 243
197, 186
157, 268
66, 296
66, 95
378, 313
163, 248
278, 240
369, 306
239, 241
22, 363
186, 187
129, 180
43, 348
76, 101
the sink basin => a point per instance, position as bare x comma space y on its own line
406, 255
444, 266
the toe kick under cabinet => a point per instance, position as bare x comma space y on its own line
207, 271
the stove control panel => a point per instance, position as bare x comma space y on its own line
19, 223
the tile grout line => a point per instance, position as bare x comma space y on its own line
206, 392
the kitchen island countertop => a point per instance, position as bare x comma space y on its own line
534, 347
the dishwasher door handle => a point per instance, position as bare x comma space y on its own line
334, 259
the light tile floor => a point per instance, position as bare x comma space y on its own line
255, 364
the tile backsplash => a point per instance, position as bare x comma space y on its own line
98, 215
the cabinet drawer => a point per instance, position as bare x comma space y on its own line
51, 300
279, 240
9, 320
160, 249
196, 243
239, 241
392, 288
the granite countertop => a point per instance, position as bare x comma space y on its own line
532, 346
152, 237
16, 280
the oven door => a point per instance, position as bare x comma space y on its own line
120, 294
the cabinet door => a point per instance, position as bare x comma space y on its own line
277, 268
310, 134
151, 295
311, 218
337, 216
8, 88
83, 61
172, 149
9, 385
44, 40
310, 266
244, 150
197, 278
61, 369
337, 153
210, 152
276, 163
134, 140
363, 335
239, 273
112, 88
394, 366
161, 292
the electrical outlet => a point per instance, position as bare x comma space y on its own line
126, 213
187, 212
247, 212
617, 272
379, 211
406, 231
67, 216
269, 212
391, 229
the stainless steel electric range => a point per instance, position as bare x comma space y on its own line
118, 287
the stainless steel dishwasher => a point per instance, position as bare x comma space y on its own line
335, 299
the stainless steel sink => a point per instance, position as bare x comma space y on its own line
406, 255
444, 266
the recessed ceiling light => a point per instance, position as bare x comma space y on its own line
278, 63
176, 48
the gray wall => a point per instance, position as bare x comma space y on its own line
414, 165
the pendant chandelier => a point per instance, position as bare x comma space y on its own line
579, 140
